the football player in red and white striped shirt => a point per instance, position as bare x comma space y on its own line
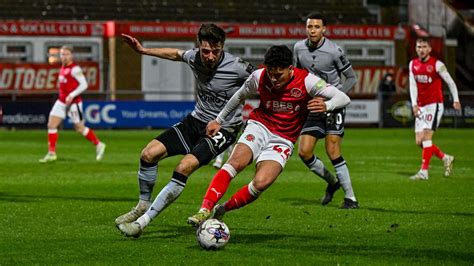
286, 94
426, 92
71, 84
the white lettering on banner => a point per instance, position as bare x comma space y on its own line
105, 113
6, 78
153, 114
468, 111
40, 77
129, 114
94, 114
362, 111
176, 114
24, 119
72, 28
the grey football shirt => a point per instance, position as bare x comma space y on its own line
326, 61
215, 87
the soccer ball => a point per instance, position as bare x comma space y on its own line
212, 234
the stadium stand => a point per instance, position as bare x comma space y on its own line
245, 11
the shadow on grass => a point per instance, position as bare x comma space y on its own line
37, 198
466, 214
316, 202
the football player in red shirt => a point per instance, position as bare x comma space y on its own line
71, 84
426, 92
286, 94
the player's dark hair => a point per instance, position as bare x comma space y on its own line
315, 15
278, 56
424, 39
211, 33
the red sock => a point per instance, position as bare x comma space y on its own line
52, 139
90, 136
426, 155
437, 152
216, 189
239, 199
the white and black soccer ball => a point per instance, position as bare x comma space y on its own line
212, 234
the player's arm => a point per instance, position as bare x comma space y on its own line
413, 90
327, 97
351, 80
443, 72
343, 65
173, 54
248, 88
296, 61
76, 72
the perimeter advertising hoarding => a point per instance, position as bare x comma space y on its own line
134, 114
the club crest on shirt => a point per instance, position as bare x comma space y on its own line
250, 137
429, 68
66, 71
296, 92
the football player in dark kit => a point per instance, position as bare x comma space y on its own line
325, 59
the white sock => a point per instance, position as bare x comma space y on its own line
166, 196
144, 220
342, 173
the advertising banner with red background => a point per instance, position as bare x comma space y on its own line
178, 29
42, 77
264, 31
369, 78
51, 28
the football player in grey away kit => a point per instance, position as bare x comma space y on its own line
324, 58
218, 76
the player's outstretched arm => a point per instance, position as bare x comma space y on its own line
173, 54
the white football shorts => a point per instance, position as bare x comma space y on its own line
74, 112
429, 117
265, 145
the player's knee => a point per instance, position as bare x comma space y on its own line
258, 186
237, 164
305, 153
147, 155
418, 142
79, 128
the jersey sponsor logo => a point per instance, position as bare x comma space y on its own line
213, 97
296, 92
250, 138
423, 79
282, 107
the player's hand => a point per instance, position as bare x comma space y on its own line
317, 105
69, 99
416, 111
212, 128
457, 106
132, 42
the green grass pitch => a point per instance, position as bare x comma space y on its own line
63, 212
